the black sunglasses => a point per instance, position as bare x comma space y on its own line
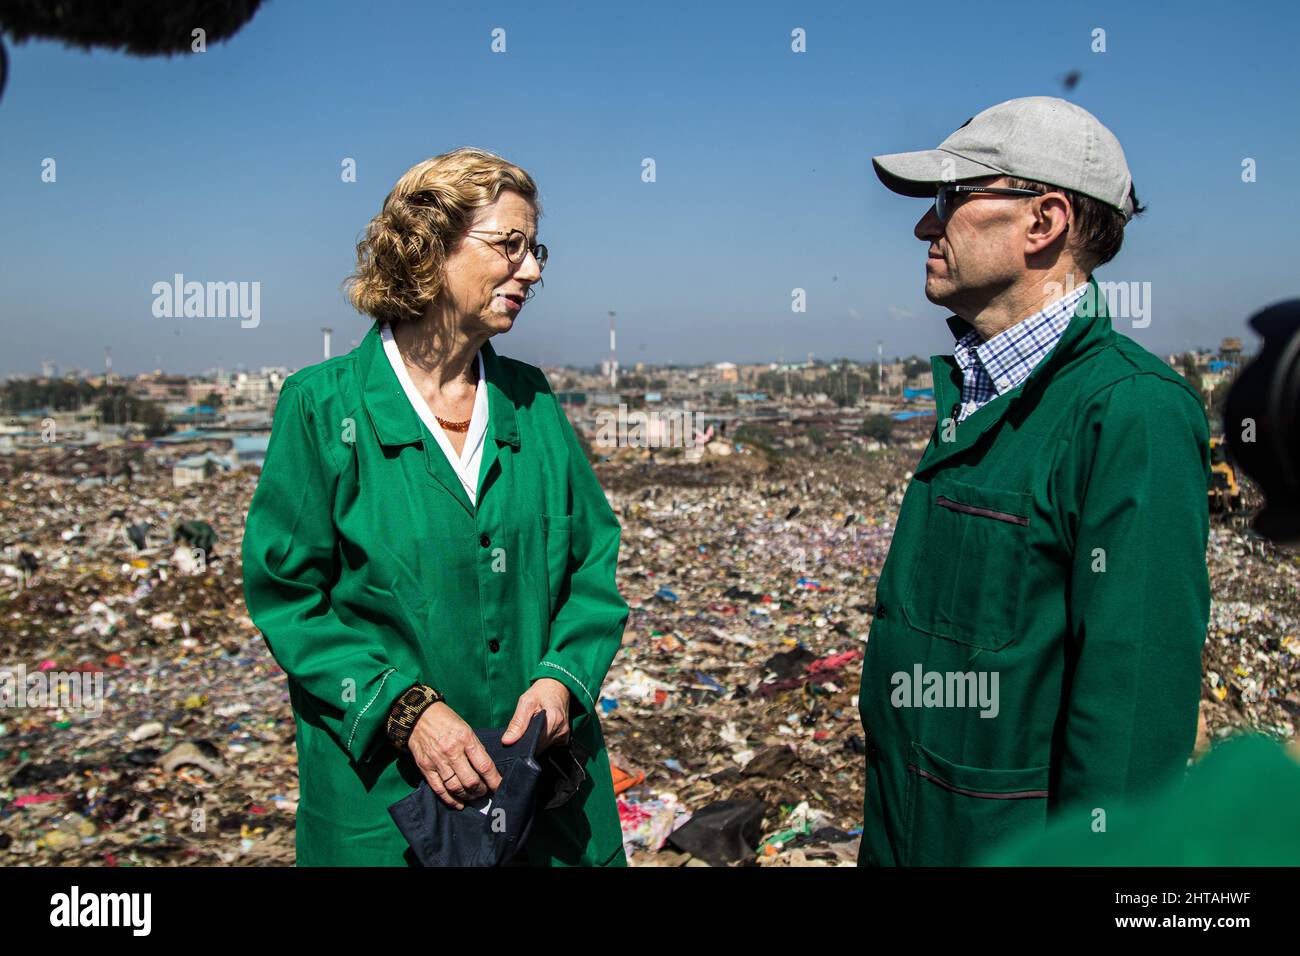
944, 199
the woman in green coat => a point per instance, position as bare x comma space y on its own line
428, 550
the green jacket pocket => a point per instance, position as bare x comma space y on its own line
966, 584
955, 814
556, 534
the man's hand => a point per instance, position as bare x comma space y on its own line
451, 757
546, 694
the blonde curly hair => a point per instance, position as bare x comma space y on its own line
402, 258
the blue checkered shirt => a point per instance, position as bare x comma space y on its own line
995, 367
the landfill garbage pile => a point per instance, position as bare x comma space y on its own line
1252, 645
737, 684
177, 746
730, 713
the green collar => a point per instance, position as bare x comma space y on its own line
396, 422
1089, 329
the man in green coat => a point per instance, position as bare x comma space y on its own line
1036, 646
369, 571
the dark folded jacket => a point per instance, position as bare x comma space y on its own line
492, 829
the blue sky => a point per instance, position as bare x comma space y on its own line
225, 166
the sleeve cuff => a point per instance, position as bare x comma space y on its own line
365, 721
558, 667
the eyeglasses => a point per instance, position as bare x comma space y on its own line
944, 200
515, 244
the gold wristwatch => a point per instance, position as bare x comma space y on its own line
406, 712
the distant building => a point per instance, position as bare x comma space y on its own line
252, 388
161, 388
893, 376
199, 468
199, 390
257, 389
249, 449
248, 419
191, 414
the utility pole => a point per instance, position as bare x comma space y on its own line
613, 356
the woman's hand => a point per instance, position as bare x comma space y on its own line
451, 757
548, 695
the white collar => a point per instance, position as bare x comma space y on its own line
466, 464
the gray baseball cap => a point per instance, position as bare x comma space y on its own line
1042, 138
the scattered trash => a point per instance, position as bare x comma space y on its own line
623, 780
31, 799
751, 587
188, 754
145, 731
145, 780
722, 833
774, 762
647, 823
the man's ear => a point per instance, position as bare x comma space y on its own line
1052, 214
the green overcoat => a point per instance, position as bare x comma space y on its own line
1036, 646
367, 569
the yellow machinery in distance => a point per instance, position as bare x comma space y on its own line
1224, 491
